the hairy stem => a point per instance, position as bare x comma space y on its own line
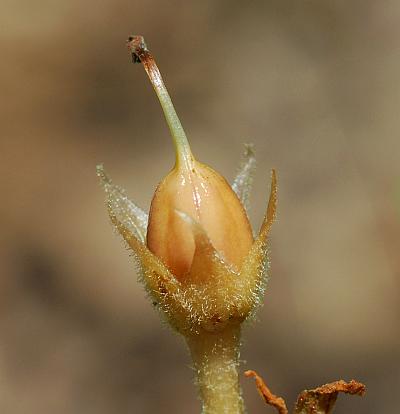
216, 360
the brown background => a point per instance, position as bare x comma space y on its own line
313, 84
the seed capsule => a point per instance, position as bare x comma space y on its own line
207, 198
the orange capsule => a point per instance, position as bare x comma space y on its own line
205, 196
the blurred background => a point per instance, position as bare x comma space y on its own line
313, 84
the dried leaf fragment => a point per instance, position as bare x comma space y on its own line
321, 400
266, 394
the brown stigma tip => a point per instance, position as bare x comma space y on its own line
137, 47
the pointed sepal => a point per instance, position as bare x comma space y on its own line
254, 272
127, 212
244, 179
212, 287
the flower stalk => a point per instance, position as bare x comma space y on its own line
216, 360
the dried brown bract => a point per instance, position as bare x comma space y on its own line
264, 391
320, 400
